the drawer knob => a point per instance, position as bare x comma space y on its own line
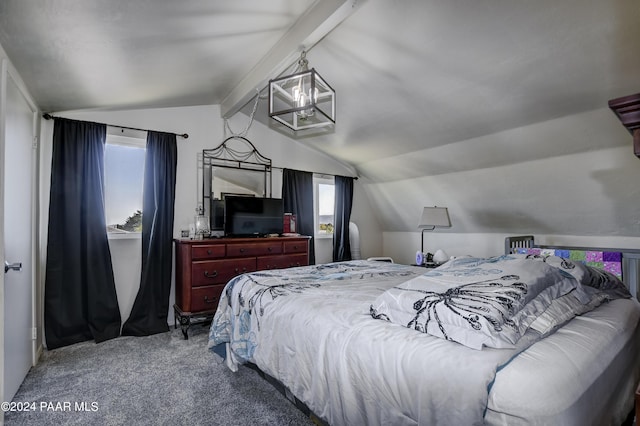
241, 250
209, 251
212, 275
207, 300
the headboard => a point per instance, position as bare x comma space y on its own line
625, 263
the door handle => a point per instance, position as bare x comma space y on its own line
14, 266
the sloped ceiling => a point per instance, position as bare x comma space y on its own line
141, 53
432, 95
419, 75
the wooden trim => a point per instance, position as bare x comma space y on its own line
627, 109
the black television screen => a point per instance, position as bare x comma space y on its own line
252, 216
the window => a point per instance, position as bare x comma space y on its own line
324, 199
124, 177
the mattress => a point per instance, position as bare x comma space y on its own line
583, 374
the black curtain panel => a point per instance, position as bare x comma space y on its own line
342, 215
80, 294
297, 197
151, 307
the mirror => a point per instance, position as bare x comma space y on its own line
235, 167
222, 181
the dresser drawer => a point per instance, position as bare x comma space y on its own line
208, 272
280, 262
298, 260
254, 249
206, 298
295, 246
203, 252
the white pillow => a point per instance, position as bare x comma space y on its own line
477, 302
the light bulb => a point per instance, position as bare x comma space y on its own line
302, 97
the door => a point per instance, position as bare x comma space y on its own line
18, 199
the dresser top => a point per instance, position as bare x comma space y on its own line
239, 240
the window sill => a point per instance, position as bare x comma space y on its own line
125, 236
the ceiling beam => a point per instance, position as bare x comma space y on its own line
316, 22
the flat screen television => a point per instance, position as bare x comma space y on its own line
252, 216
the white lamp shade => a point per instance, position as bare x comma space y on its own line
434, 217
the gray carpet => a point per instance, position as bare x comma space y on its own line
153, 380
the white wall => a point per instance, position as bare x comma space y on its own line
126, 257
568, 181
324, 250
206, 130
557, 199
571, 176
364, 215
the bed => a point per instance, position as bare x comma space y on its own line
523, 338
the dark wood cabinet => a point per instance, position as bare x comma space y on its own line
203, 268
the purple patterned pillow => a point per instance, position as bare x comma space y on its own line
587, 275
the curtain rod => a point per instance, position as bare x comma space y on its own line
315, 173
184, 135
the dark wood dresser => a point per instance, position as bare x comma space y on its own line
203, 267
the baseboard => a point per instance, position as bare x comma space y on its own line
37, 354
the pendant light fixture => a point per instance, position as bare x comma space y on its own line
302, 100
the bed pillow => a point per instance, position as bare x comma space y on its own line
564, 309
603, 280
477, 302
587, 275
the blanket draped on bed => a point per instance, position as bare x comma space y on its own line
311, 329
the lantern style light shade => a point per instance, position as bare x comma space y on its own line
303, 100
432, 218
202, 226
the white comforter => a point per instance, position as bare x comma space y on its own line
311, 328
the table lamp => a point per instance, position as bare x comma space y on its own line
432, 218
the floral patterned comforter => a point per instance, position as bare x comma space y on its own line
312, 329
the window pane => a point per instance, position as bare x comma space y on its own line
326, 198
124, 171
